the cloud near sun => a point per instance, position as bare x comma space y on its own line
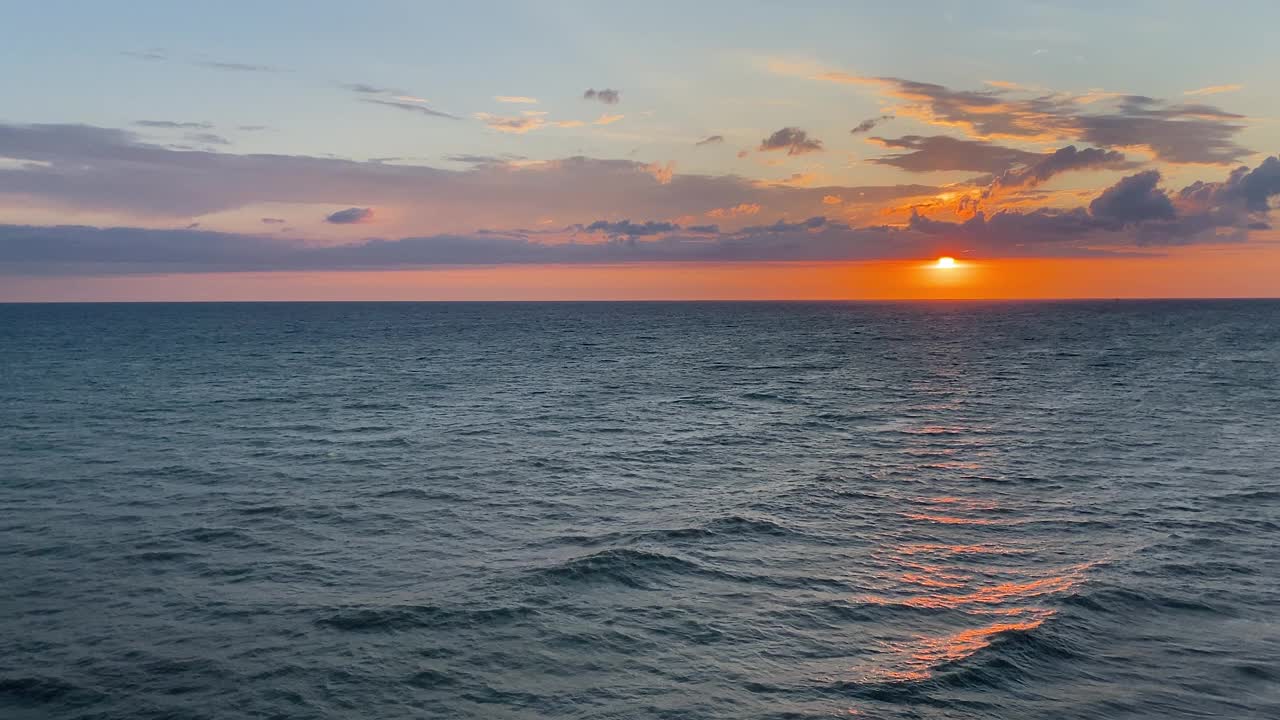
504, 209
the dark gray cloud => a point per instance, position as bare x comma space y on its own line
711, 140
792, 139
712, 229
350, 216
1244, 190
869, 124
273, 221
626, 228
940, 152
608, 97
174, 125
412, 107
1062, 160
1134, 199
812, 223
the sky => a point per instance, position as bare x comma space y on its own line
550, 150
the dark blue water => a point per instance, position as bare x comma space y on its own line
640, 510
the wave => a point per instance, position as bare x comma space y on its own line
388, 618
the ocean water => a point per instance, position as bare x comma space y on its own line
651, 510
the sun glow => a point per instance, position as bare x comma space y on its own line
945, 263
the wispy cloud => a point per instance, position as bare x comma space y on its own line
607, 119
413, 107
710, 140
1214, 90
173, 125
518, 99
235, 66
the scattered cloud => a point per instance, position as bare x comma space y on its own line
515, 99
1134, 212
710, 140
606, 119
608, 97
869, 124
1172, 132
792, 139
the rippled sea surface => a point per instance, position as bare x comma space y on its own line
658, 510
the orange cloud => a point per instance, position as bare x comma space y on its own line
735, 211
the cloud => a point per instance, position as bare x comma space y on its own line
710, 140
474, 159
273, 221
1133, 200
515, 99
869, 124
662, 173
1173, 132
626, 228
1133, 212
832, 199
1244, 190
350, 216
792, 139
519, 124
1213, 90
367, 89
155, 54
253, 128
206, 138
608, 97
739, 210
94, 169
606, 119
939, 152
235, 66
1062, 160
173, 125
412, 107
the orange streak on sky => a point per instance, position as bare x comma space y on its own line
1226, 271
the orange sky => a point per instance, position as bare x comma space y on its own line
1224, 271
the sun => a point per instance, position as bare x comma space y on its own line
945, 263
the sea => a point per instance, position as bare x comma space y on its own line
640, 510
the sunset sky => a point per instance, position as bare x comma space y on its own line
574, 150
